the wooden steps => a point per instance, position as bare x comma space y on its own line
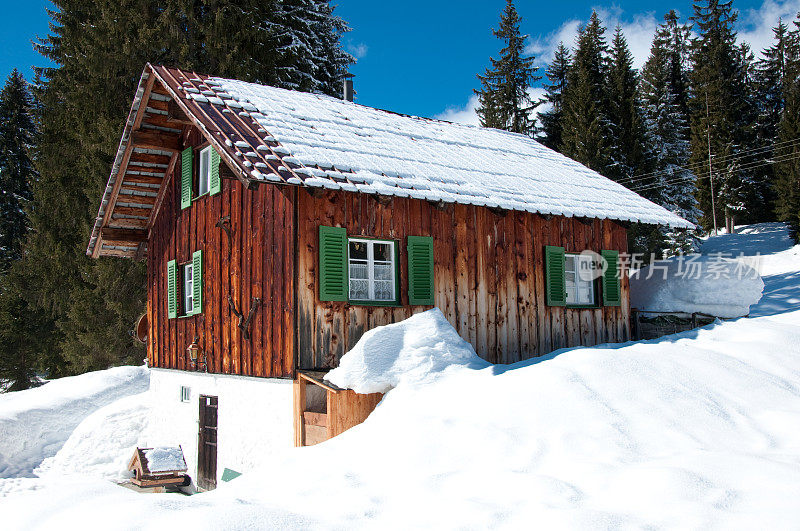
344, 409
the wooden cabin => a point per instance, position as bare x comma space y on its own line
278, 226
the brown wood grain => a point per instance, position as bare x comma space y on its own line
489, 277
288, 263
347, 409
177, 233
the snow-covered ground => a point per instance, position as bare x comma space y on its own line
696, 430
35, 424
769, 247
102, 445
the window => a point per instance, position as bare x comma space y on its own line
188, 288
579, 279
574, 279
185, 287
185, 393
199, 179
204, 176
371, 270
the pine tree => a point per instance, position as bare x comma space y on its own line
770, 80
721, 110
99, 48
757, 174
628, 151
17, 136
331, 61
306, 37
292, 44
504, 101
19, 327
551, 119
24, 334
787, 150
663, 88
585, 129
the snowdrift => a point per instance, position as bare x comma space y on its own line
697, 430
102, 445
769, 248
35, 424
413, 351
697, 283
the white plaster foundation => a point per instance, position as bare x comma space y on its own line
254, 417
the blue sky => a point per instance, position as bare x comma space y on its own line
421, 57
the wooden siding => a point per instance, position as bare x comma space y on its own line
488, 277
260, 266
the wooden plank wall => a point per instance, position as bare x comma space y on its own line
488, 276
260, 265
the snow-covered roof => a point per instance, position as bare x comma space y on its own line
160, 460
267, 134
344, 145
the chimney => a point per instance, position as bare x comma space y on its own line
347, 94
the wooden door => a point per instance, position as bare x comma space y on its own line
207, 444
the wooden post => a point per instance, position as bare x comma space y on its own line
299, 393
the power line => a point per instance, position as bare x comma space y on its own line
699, 165
741, 154
705, 175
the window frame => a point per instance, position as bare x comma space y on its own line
204, 150
593, 283
186, 393
187, 293
395, 261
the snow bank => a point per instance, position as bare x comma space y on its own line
691, 431
697, 283
103, 444
769, 248
411, 351
164, 459
35, 424
694, 431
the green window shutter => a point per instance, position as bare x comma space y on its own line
216, 183
611, 291
172, 289
186, 178
556, 293
197, 282
420, 270
333, 264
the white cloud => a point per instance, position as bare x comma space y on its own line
467, 114
638, 31
359, 51
544, 47
463, 115
755, 25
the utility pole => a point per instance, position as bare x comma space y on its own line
710, 172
